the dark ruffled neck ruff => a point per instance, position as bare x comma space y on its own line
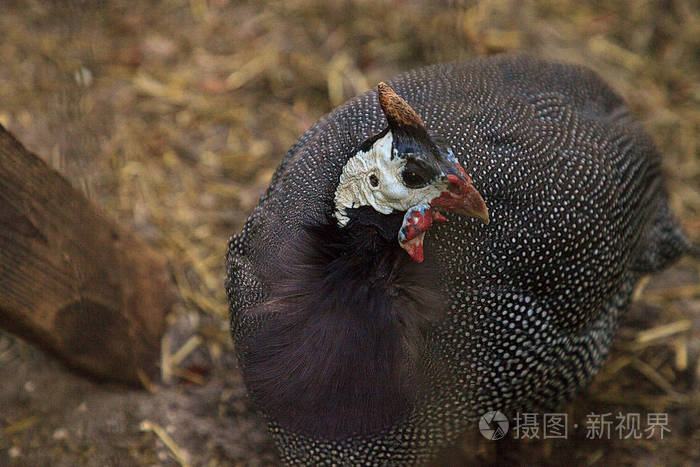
338, 353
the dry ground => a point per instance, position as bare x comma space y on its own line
172, 115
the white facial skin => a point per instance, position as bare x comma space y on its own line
355, 188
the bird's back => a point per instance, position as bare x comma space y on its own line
578, 212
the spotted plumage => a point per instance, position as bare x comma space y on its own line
514, 315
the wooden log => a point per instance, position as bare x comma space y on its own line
72, 280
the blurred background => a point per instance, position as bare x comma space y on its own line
173, 115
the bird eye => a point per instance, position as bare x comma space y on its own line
373, 180
417, 173
412, 179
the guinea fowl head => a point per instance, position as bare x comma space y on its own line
337, 346
405, 169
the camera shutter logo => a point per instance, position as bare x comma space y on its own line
493, 425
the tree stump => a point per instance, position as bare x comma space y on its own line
71, 280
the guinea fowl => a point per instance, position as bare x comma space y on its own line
461, 240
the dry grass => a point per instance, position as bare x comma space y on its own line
173, 115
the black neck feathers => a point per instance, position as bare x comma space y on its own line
338, 350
